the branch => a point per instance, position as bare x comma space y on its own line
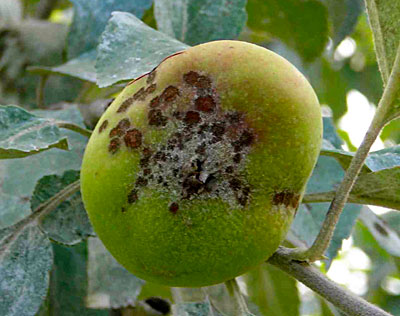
234, 291
321, 243
319, 283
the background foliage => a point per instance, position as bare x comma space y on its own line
63, 61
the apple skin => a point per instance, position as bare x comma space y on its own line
193, 174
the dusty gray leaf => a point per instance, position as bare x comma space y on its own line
199, 21
24, 272
129, 48
68, 223
110, 284
81, 67
18, 177
23, 133
90, 19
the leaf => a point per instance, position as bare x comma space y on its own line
199, 21
10, 13
68, 282
194, 309
24, 271
387, 238
68, 223
24, 134
81, 67
273, 291
90, 19
303, 25
110, 285
384, 18
344, 16
129, 48
19, 176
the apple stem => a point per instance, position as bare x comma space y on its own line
236, 294
382, 116
75, 128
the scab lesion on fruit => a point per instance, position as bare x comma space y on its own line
286, 198
205, 153
103, 126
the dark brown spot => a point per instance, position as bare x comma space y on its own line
382, 230
156, 118
286, 198
154, 103
194, 79
160, 156
133, 138
170, 93
146, 171
121, 127
103, 126
123, 209
205, 104
246, 139
125, 105
218, 129
132, 196
178, 115
114, 145
233, 118
192, 118
191, 186
144, 161
201, 149
237, 158
174, 207
151, 89
229, 169
140, 95
146, 152
151, 76
235, 184
141, 181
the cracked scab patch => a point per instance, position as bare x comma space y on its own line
124, 134
286, 198
204, 154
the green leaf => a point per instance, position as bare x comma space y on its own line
344, 16
129, 48
68, 283
110, 285
302, 25
387, 238
384, 17
90, 19
81, 67
199, 21
68, 223
24, 134
19, 176
273, 291
25, 263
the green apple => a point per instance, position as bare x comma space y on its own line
194, 173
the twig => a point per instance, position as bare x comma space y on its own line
75, 128
339, 296
42, 210
321, 243
234, 291
40, 91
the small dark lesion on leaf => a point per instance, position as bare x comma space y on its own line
286, 198
382, 230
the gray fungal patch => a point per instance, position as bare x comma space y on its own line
205, 153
